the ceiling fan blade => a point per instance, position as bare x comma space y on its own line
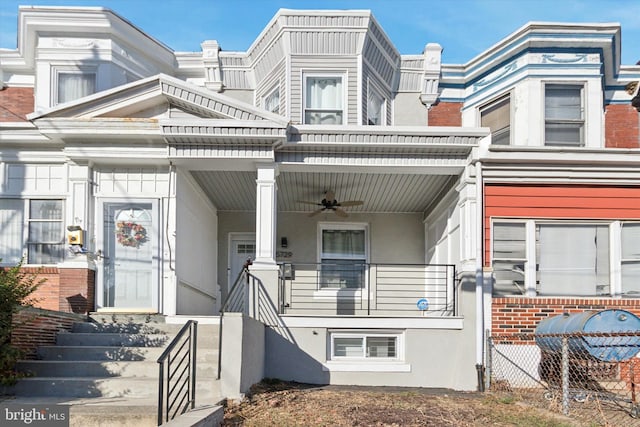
351, 203
309, 203
314, 213
341, 213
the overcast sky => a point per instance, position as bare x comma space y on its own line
464, 28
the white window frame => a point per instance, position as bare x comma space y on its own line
57, 70
266, 98
27, 220
495, 103
364, 363
614, 257
329, 75
335, 292
372, 89
551, 121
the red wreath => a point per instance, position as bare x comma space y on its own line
130, 234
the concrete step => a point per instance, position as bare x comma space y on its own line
102, 353
111, 339
115, 387
83, 368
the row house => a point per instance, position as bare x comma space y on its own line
394, 208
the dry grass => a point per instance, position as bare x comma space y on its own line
282, 404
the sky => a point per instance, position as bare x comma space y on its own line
464, 28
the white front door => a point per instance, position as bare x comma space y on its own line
129, 262
242, 249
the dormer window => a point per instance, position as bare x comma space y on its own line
323, 99
70, 85
271, 102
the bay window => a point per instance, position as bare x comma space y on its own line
343, 257
323, 99
376, 111
564, 115
35, 225
497, 117
271, 102
72, 83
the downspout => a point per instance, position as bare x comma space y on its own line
479, 278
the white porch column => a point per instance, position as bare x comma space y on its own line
264, 266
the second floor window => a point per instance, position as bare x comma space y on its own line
271, 102
323, 103
375, 108
564, 115
497, 117
75, 85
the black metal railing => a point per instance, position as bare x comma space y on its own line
177, 383
368, 289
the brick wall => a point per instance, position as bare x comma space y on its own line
15, 104
622, 126
35, 327
517, 315
445, 114
70, 290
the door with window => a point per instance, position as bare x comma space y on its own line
242, 248
130, 255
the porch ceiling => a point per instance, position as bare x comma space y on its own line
236, 191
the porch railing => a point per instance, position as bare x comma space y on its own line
425, 290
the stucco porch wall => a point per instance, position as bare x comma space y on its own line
395, 238
435, 355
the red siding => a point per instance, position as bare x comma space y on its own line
557, 201
445, 114
622, 126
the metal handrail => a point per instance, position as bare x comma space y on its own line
183, 374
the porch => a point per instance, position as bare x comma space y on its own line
368, 289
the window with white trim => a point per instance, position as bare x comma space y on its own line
564, 115
41, 221
323, 99
561, 258
343, 256
271, 102
630, 261
71, 85
379, 346
376, 107
497, 117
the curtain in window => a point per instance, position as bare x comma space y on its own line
343, 259
46, 233
631, 259
374, 108
324, 93
573, 259
75, 85
11, 226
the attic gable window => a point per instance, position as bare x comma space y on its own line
497, 117
72, 85
323, 100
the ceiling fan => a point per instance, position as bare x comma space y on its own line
329, 203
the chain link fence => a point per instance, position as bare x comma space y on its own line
592, 377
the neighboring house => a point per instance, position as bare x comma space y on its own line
141, 179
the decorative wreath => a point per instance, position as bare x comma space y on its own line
130, 234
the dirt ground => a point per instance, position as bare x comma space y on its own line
275, 403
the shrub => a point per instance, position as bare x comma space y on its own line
16, 287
